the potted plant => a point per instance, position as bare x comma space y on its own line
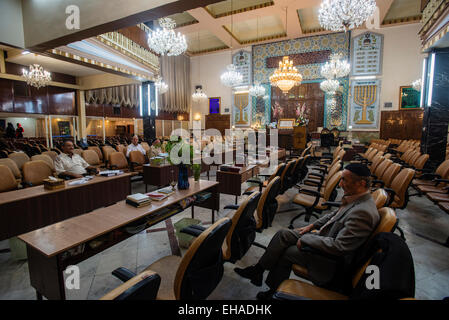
179, 144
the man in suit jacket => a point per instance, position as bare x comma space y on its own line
338, 234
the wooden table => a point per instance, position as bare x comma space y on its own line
46, 246
28, 209
231, 182
161, 175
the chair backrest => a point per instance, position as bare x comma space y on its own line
390, 173
34, 172
376, 161
386, 223
20, 158
201, 267
331, 185
45, 158
12, 166
280, 169
78, 151
333, 170
98, 151
387, 155
286, 173
380, 197
382, 167
107, 150
243, 230
421, 161
443, 169
8, 181
137, 157
306, 150
267, 206
144, 286
121, 148
91, 157
145, 146
400, 185
51, 154
117, 160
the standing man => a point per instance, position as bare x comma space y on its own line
19, 131
135, 146
71, 164
339, 233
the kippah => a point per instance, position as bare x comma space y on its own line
359, 169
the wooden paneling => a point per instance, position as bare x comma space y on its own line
61, 101
406, 124
112, 111
162, 115
6, 96
309, 94
94, 110
221, 122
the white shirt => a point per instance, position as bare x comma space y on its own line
75, 164
132, 147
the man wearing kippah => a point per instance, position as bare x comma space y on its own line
339, 233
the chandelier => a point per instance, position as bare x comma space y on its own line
257, 90
417, 85
36, 76
199, 95
344, 15
160, 85
286, 76
330, 86
335, 68
231, 78
166, 41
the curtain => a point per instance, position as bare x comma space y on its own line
127, 96
176, 74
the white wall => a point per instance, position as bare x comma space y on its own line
212, 66
402, 60
28, 124
11, 23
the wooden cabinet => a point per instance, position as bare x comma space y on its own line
221, 122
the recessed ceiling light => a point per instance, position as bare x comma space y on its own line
25, 52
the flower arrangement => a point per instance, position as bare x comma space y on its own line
301, 116
278, 111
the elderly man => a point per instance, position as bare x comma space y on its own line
135, 146
70, 164
340, 233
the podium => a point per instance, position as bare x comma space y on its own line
299, 137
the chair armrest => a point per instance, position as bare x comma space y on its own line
260, 183
332, 204
26, 184
430, 176
322, 170
311, 192
441, 180
231, 206
287, 297
112, 166
313, 183
190, 230
391, 194
307, 248
314, 174
382, 184
123, 274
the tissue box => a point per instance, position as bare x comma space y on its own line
54, 184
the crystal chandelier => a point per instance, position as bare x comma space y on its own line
286, 76
231, 78
344, 15
335, 68
257, 90
160, 85
166, 41
417, 85
330, 86
199, 95
36, 76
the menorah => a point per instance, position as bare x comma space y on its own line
365, 96
241, 100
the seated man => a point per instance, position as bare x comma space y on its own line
155, 149
135, 146
339, 233
70, 164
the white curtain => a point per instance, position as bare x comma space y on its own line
127, 96
176, 74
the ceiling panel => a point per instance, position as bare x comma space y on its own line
256, 29
223, 8
403, 9
308, 19
203, 41
181, 19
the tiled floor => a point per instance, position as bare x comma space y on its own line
421, 217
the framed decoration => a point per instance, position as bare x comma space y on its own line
242, 61
64, 128
214, 105
367, 51
364, 114
286, 123
409, 98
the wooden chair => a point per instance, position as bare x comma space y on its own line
279, 170
45, 158
136, 160
98, 151
91, 158
197, 273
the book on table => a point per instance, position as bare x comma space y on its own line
138, 200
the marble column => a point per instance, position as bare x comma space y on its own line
149, 114
436, 110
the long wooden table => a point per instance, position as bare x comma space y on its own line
231, 182
32, 208
47, 246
